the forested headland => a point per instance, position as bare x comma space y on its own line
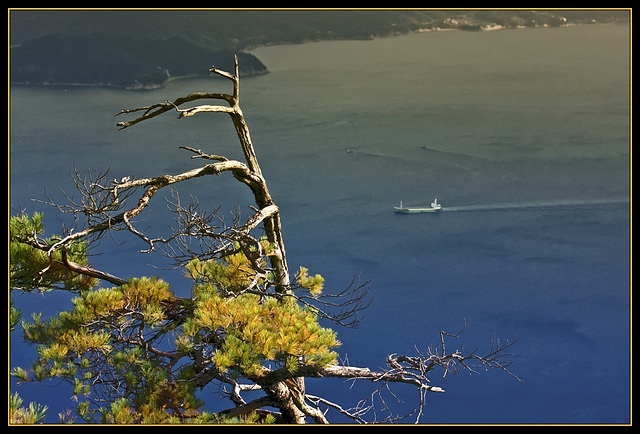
141, 49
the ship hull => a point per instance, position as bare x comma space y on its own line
415, 210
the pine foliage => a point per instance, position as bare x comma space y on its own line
136, 353
32, 269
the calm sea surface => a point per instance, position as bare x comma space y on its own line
523, 135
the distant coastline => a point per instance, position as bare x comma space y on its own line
108, 55
133, 86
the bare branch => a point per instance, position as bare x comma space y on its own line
40, 244
113, 199
91, 272
350, 413
201, 154
412, 370
252, 175
205, 108
341, 308
160, 108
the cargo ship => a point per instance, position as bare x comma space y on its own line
435, 206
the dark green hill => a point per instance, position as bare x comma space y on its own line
107, 60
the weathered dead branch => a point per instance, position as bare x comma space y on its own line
401, 369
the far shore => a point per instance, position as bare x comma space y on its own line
154, 86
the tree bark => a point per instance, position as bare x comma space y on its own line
250, 174
254, 178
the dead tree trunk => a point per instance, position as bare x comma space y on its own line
252, 176
267, 211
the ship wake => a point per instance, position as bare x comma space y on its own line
536, 204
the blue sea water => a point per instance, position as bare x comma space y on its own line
523, 135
